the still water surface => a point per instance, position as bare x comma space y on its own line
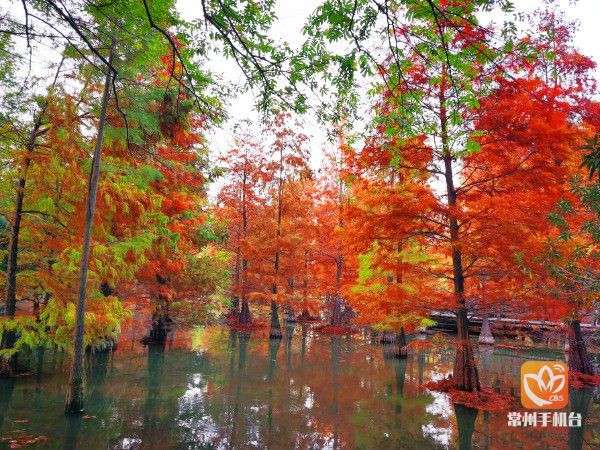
213, 388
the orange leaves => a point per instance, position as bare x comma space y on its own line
177, 203
485, 399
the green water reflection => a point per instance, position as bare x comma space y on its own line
214, 388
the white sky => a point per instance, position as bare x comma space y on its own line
292, 15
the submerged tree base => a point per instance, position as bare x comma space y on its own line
484, 399
74, 403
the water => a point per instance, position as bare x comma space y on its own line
212, 388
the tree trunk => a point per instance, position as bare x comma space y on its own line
9, 337
579, 359
290, 315
387, 337
161, 325
402, 350
337, 318
74, 401
347, 315
245, 317
304, 316
275, 331
485, 336
10, 299
466, 377
336, 311
234, 309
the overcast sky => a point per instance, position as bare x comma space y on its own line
291, 17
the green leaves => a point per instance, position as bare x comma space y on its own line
591, 161
472, 146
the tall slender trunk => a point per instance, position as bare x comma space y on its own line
579, 359
336, 314
275, 332
10, 299
245, 317
234, 309
74, 401
466, 377
305, 315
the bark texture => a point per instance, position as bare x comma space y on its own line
465, 375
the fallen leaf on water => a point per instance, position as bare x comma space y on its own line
22, 441
88, 417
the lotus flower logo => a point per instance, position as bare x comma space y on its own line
544, 384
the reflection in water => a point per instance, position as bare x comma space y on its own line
465, 418
400, 377
7, 387
579, 402
274, 345
335, 364
234, 390
73, 428
303, 343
